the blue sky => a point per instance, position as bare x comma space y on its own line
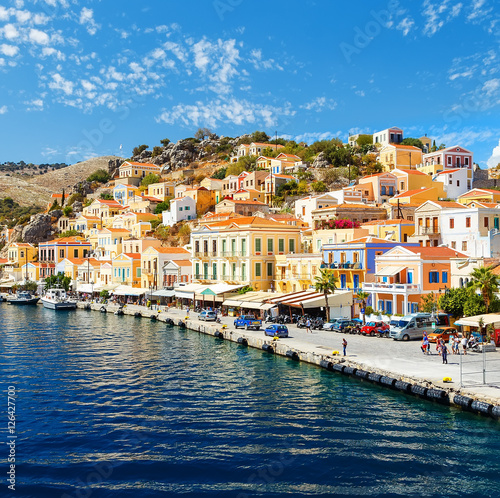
80, 79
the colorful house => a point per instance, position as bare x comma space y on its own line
400, 156
405, 274
123, 194
296, 272
181, 209
455, 157
110, 242
153, 260
388, 136
377, 188
134, 172
127, 269
483, 195
454, 182
18, 253
398, 230
245, 208
56, 250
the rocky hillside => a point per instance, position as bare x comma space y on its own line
38, 189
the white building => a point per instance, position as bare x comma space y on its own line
181, 208
454, 182
388, 136
473, 231
304, 207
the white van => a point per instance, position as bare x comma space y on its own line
413, 326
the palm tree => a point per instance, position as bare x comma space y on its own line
326, 283
484, 280
363, 296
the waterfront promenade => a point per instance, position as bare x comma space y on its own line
402, 360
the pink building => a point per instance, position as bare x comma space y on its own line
451, 158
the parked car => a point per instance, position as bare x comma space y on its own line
375, 328
442, 333
247, 322
207, 316
341, 324
329, 325
276, 330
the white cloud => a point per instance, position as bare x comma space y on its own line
9, 50
3, 109
87, 85
494, 160
10, 32
319, 104
87, 20
405, 25
312, 136
437, 15
35, 105
4, 14
235, 111
22, 16
48, 51
39, 37
59, 83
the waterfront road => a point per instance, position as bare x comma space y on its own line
397, 358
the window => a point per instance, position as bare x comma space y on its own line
281, 245
214, 271
467, 222
128, 272
453, 244
464, 245
243, 247
381, 305
434, 277
458, 183
410, 277
452, 223
449, 160
382, 190
61, 253
270, 245
197, 270
486, 222
291, 245
270, 270
444, 277
258, 244
409, 218
224, 247
196, 246
391, 190
258, 270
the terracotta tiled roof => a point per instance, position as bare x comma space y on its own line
369, 239
388, 222
410, 171
477, 191
133, 255
254, 221
149, 165
436, 252
449, 204
409, 193
172, 250
446, 171
183, 262
398, 146
246, 201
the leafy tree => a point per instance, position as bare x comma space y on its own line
165, 142
244, 290
202, 133
185, 233
107, 196
104, 294
303, 188
428, 303
163, 206
416, 142
260, 136
67, 210
484, 280
30, 286
156, 151
220, 174
137, 150
319, 186
155, 224
62, 280
326, 283
434, 146
454, 300
55, 205
364, 140
363, 296
235, 169
69, 233
99, 176
149, 179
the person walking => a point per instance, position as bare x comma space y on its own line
426, 345
444, 353
344, 345
308, 326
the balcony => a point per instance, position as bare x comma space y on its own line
428, 231
342, 266
383, 287
233, 254
205, 254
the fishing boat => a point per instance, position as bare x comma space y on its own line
24, 298
57, 299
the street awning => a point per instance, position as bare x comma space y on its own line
128, 290
231, 302
217, 289
282, 263
473, 321
8, 284
187, 291
311, 299
87, 288
163, 293
390, 271
267, 306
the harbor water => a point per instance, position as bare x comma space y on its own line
117, 406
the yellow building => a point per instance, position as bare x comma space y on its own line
18, 253
127, 269
241, 250
110, 240
411, 179
394, 230
249, 194
296, 272
131, 169
480, 195
162, 190
205, 199
123, 193
103, 209
400, 156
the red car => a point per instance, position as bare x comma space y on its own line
376, 328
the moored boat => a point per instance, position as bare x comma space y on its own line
24, 298
57, 299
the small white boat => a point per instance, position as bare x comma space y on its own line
23, 298
57, 299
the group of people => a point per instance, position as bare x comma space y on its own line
454, 343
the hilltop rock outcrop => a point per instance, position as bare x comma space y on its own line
321, 161
40, 228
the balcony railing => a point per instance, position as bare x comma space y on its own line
342, 266
428, 231
387, 287
233, 254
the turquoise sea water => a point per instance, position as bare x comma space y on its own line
110, 406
